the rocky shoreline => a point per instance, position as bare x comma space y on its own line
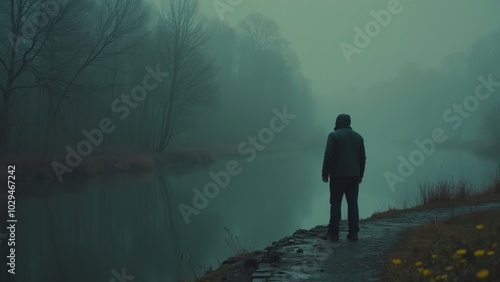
300, 254
306, 256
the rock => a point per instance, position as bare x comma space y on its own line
251, 262
261, 275
300, 236
229, 261
312, 233
264, 267
273, 257
299, 232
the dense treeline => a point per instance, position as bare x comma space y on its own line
257, 72
125, 74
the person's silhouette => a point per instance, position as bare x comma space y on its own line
344, 166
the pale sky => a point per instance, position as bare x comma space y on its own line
424, 32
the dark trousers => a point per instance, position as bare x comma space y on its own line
338, 187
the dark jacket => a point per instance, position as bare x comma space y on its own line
345, 151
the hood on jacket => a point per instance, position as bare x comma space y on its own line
343, 121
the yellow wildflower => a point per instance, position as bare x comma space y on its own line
434, 256
463, 260
420, 269
480, 226
396, 261
444, 276
479, 253
448, 268
418, 263
483, 273
461, 252
426, 272
490, 253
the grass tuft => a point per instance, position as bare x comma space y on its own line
237, 247
494, 187
445, 192
445, 189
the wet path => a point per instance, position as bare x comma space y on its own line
306, 257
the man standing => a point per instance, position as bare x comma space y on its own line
344, 165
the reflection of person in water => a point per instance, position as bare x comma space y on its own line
344, 166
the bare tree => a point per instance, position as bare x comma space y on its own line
52, 44
182, 41
28, 28
259, 35
261, 32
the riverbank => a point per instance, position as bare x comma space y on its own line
304, 255
33, 168
36, 168
460, 248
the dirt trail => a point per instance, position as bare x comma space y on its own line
306, 257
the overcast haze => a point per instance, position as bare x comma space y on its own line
156, 124
424, 41
424, 33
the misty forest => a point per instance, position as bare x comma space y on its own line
158, 138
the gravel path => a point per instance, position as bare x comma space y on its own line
306, 257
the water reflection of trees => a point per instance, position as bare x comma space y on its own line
82, 235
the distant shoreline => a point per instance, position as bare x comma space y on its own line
33, 168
